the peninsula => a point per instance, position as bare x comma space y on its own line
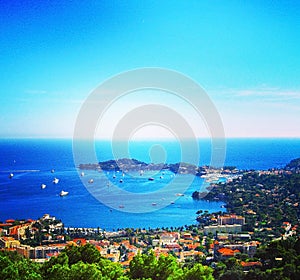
126, 165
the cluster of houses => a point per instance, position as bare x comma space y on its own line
217, 242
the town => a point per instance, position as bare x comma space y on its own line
262, 209
221, 239
46, 237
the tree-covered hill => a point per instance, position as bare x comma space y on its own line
85, 262
266, 199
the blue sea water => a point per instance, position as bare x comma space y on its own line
31, 161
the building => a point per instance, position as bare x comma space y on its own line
250, 265
8, 242
222, 228
231, 220
248, 248
40, 252
167, 239
19, 231
230, 250
226, 253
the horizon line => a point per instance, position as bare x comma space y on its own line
143, 139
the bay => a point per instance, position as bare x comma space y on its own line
31, 161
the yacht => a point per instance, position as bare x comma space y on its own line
43, 186
55, 181
63, 193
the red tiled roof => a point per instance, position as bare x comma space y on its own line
80, 241
247, 264
192, 246
228, 252
59, 245
14, 230
6, 225
99, 248
173, 246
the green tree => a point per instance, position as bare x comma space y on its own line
54, 265
18, 269
58, 271
198, 271
85, 271
232, 274
87, 254
112, 271
147, 266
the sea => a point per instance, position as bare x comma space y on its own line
34, 162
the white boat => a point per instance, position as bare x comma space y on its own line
63, 193
52, 170
91, 181
11, 175
82, 174
55, 181
154, 204
43, 186
151, 179
179, 194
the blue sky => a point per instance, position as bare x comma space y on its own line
245, 54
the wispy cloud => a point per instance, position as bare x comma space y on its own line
35, 91
262, 93
269, 94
